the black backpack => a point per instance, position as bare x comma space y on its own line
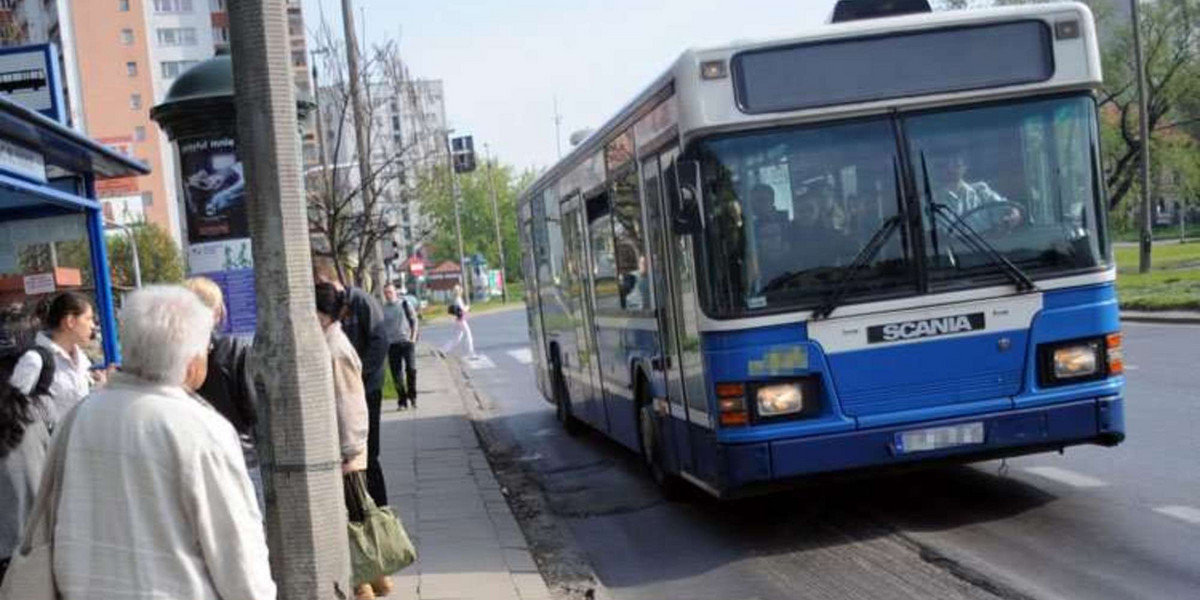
9, 360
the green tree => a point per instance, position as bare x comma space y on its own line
159, 258
478, 228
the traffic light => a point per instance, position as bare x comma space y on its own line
393, 253
462, 150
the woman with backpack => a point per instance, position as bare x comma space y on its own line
69, 324
24, 438
459, 309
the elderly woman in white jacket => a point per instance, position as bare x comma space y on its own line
155, 500
351, 401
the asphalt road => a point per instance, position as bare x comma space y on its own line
1093, 523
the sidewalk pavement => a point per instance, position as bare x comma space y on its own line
439, 482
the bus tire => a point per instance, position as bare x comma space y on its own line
562, 401
669, 484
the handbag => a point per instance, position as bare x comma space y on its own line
379, 545
30, 574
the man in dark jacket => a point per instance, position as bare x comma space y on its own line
363, 324
229, 386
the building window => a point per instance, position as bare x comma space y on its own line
221, 35
131, 69
147, 199
172, 6
298, 58
135, 101
123, 5
139, 133
217, 5
177, 36
126, 37
173, 68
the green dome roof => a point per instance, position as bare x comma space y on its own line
212, 78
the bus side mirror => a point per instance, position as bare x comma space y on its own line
686, 218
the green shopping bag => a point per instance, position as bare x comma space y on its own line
378, 543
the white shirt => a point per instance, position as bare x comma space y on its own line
71, 382
156, 502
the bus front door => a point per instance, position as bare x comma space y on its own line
669, 366
587, 399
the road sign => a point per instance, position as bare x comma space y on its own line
29, 77
417, 268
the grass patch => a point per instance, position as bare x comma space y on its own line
1173, 282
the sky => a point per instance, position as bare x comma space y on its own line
504, 62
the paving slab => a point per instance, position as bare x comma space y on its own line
440, 484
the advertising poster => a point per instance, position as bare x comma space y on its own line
231, 266
213, 188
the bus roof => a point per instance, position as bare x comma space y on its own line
706, 107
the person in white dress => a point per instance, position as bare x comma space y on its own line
459, 309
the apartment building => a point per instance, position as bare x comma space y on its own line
120, 58
407, 139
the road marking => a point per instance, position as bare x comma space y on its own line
479, 361
1131, 367
522, 355
1068, 477
1183, 513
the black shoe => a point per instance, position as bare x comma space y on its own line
401, 406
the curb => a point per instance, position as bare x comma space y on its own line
563, 567
1166, 318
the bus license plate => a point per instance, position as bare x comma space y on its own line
936, 438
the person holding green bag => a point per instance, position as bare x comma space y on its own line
352, 418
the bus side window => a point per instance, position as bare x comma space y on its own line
632, 274
604, 272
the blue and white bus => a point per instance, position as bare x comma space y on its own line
881, 243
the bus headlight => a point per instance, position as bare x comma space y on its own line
779, 399
1076, 361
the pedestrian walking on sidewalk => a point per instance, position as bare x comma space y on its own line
155, 501
352, 415
362, 322
459, 309
229, 386
69, 325
400, 322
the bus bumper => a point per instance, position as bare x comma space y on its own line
1092, 421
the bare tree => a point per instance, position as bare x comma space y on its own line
350, 217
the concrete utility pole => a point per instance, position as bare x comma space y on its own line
496, 216
1147, 237
305, 516
360, 137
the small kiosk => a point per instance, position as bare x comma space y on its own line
52, 234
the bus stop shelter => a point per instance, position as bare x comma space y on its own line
52, 235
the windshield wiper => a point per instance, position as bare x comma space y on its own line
970, 237
864, 257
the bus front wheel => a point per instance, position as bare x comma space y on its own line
669, 484
562, 402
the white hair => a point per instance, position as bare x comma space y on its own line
163, 327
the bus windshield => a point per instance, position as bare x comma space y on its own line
795, 216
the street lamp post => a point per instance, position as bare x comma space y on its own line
1147, 237
137, 264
